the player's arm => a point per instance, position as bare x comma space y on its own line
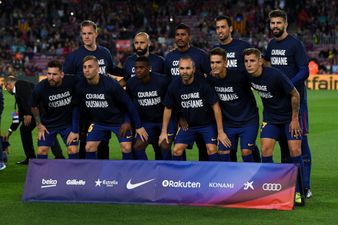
74, 134
41, 128
294, 125
222, 137
165, 123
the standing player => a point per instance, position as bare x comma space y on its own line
195, 101
287, 53
234, 49
109, 106
281, 108
73, 65
54, 112
141, 46
202, 67
22, 91
238, 105
147, 90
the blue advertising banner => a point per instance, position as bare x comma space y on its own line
240, 185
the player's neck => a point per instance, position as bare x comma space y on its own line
222, 75
146, 79
90, 47
227, 41
282, 37
258, 73
95, 80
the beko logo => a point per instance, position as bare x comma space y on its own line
180, 184
75, 182
48, 183
272, 187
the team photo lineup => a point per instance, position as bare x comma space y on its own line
189, 96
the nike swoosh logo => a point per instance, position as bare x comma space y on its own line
131, 186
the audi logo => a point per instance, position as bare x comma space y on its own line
272, 187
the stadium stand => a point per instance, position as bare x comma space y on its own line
33, 32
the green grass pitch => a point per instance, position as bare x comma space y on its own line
321, 209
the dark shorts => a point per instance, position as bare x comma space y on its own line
102, 133
247, 136
273, 131
188, 137
50, 137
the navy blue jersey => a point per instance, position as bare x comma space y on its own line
289, 56
236, 99
200, 58
74, 65
234, 52
148, 97
274, 89
107, 102
55, 103
156, 65
193, 102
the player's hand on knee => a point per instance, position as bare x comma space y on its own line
42, 130
223, 138
72, 137
142, 133
163, 137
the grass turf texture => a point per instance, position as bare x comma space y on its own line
319, 210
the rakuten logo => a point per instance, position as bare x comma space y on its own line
48, 183
75, 182
180, 184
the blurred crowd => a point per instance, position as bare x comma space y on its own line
32, 28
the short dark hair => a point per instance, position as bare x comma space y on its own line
90, 57
142, 59
54, 64
183, 26
278, 13
218, 51
255, 51
86, 23
227, 18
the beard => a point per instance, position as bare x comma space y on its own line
141, 52
277, 33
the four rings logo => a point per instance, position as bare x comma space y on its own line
272, 187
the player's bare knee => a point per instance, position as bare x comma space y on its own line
178, 150
91, 147
43, 150
125, 147
211, 149
222, 152
72, 149
246, 152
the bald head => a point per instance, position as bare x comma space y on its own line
141, 44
